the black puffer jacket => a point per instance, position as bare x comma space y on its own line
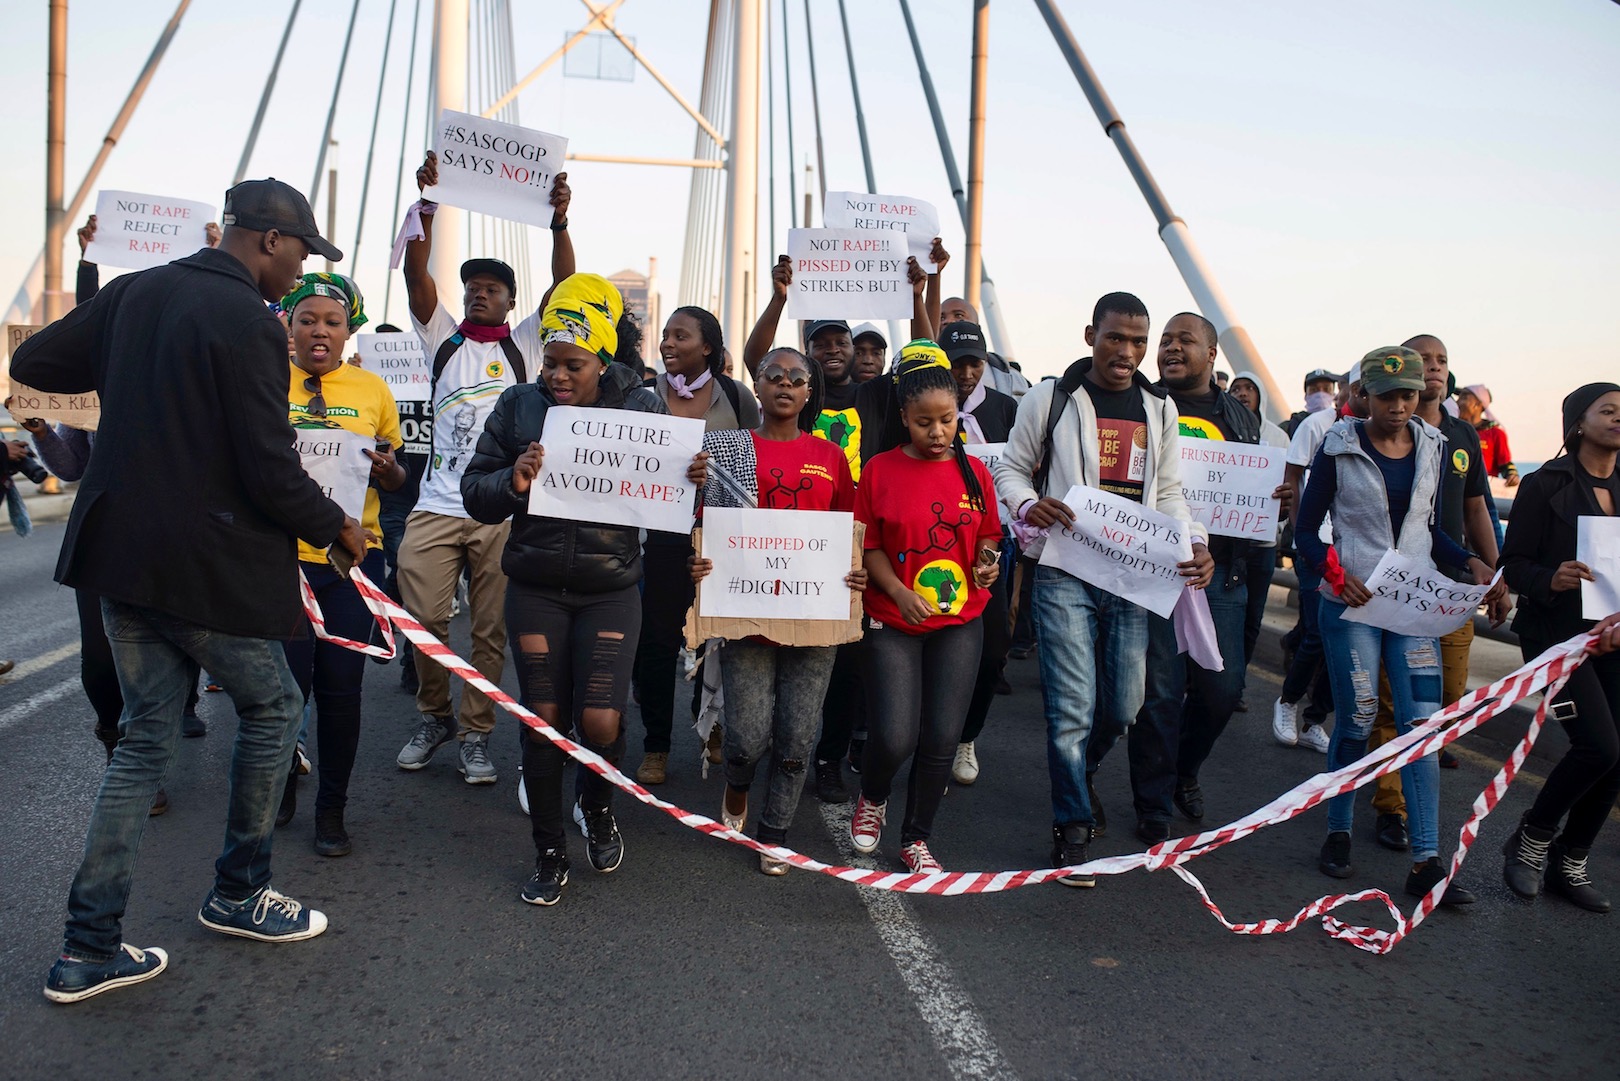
551, 553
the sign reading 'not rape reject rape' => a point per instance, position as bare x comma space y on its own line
617, 468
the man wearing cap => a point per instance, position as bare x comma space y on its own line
1001, 375
1319, 395
871, 352
472, 360
184, 526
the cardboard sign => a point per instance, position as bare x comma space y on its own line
918, 220
776, 564
17, 333
1228, 486
617, 467
400, 360
1597, 544
1119, 545
1411, 597
138, 231
74, 410
494, 168
700, 626
849, 274
336, 459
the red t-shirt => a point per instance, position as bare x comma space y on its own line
802, 474
918, 513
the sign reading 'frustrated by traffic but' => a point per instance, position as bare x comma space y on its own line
497, 169
617, 468
1228, 486
848, 274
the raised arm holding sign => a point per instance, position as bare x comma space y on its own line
494, 168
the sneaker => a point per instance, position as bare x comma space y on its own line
550, 876
523, 793
475, 765
434, 733
331, 839
1315, 738
830, 783
160, 804
866, 824
1240, 706
211, 687
191, 725
1069, 850
918, 860
857, 750
303, 760
75, 981
1334, 859
267, 916
603, 845
654, 768
965, 769
1285, 722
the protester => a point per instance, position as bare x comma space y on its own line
1003, 376
871, 351
473, 362
1380, 479
1543, 565
185, 531
933, 534
774, 692
1262, 561
1474, 406
1320, 388
1122, 437
394, 507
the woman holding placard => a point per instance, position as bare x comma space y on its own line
933, 535
327, 395
1545, 564
573, 609
1380, 478
773, 692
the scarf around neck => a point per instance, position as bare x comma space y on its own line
477, 332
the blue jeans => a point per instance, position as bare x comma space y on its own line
1093, 664
1355, 653
156, 656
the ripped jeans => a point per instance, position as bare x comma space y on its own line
1355, 654
773, 706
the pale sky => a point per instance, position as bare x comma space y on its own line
1354, 174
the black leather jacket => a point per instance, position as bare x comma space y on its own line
551, 553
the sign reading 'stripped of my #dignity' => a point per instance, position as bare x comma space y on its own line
1119, 545
1228, 486
617, 468
497, 169
776, 564
1410, 596
848, 274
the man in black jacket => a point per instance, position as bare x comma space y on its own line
184, 525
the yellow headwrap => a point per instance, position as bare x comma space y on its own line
584, 310
921, 353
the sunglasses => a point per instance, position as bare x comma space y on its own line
793, 377
316, 406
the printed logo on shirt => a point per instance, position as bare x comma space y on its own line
294, 410
494, 369
842, 428
1198, 428
1122, 456
942, 584
1459, 461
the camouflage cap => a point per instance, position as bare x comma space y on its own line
1394, 367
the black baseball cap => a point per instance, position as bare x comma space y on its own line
263, 205
820, 325
962, 340
1321, 374
490, 268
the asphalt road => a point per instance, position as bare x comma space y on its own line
688, 963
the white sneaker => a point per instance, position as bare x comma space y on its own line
1285, 723
965, 770
1316, 738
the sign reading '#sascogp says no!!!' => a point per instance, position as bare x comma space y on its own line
494, 168
617, 468
138, 232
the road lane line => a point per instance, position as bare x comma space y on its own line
27, 668
960, 1034
22, 710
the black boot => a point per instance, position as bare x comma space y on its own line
289, 799
1526, 853
331, 839
1566, 876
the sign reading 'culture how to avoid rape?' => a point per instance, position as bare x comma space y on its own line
617, 468
1119, 545
494, 168
1228, 486
335, 458
919, 221
401, 362
776, 564
848, 274
1597, 544
1410, 596
138, 232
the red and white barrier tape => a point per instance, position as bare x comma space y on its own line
1547, 674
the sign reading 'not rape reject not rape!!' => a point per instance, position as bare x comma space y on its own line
617, 468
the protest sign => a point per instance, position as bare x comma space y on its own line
1228, 486
846, 627
1597, 544
74, 410
918, 220
17, 333
1411, 597
1121, 546
494, 168
990, 454
400, 360
617, 468
138, 232
776, 564
335, 458
848, 274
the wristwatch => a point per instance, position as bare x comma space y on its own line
558, 227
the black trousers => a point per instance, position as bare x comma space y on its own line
1586, 781
666, 594
843, 710
992, 660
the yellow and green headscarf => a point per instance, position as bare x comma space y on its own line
584, 310
920, 353
337, 287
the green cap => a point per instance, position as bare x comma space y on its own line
1393, 367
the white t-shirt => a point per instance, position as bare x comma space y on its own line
464, 395
1302, 450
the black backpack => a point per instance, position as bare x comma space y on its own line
1066, 386
514, 357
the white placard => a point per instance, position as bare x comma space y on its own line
918, 220
138, 231
1411, 597
494, 168
990, 454
848, 274
401, 362
335, 458
1597, 544
776, 564
1119, 545
617, 467
74, 410
1228, 486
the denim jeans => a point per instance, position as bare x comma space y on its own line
773, 704
1093, 666
1355, 654
157, 657
1262, 562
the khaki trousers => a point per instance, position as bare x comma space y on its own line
1387, 796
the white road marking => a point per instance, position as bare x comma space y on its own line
960, 1034
27, 668
23, 710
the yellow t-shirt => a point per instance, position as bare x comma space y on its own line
357, 401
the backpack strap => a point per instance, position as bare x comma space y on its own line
729, 385
514, 357
1066, 386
